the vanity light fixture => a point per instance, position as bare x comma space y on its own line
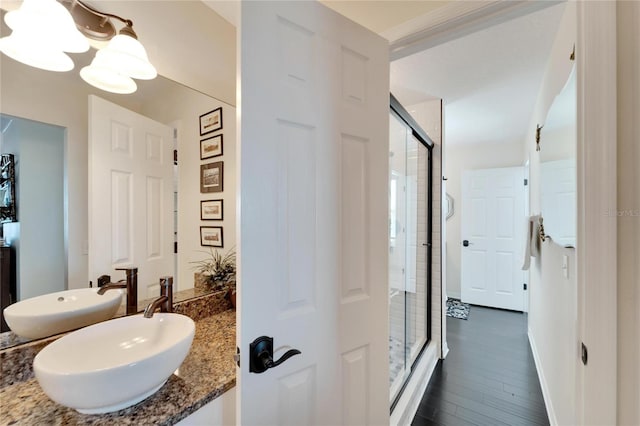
42, 31
123, 59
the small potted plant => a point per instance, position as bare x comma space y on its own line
216, 272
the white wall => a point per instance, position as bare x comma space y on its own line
552, 297
39, 233
469, 157
628, 22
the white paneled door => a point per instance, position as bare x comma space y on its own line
130, 195
493, 227
314, 111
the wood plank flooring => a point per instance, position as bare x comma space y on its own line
489, 376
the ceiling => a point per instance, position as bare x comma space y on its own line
376, 15
489, 80
381, 15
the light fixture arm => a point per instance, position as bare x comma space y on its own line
127, 29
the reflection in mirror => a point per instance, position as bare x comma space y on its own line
48, 135
558, 166
7, 183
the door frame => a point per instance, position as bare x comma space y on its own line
596, 254
596, 387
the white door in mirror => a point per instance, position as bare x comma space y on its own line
115, 364
130, 195
56, 313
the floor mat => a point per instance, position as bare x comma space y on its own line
457, 309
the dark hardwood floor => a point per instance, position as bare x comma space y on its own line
489, 376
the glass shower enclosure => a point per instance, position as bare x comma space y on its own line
409, 246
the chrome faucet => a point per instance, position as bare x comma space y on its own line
130, 284
165, 301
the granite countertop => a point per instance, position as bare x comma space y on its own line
206, 373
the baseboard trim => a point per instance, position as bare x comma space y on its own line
454, 295
553, 421
407, 406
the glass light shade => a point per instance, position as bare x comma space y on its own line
49, 23
101, 75
24, 50
128, 56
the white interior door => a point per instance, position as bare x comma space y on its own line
130, 195
313, 173
493, 225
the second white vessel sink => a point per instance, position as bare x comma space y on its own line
55, 313
115, 364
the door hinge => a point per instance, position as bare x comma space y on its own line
583, 351
524, 286
236, 356
526, 182
175, 133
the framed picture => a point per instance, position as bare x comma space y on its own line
211, 236
211, 210
211, 121
211, 177
211, 147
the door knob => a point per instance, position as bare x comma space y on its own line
261, 355
466, 243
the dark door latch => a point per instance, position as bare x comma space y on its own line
261, 355
465, 243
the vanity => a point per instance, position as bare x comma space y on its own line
201, 388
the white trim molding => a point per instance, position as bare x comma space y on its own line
596, 383
454, 20
546, 395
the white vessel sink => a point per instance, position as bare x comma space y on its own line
115, 364
55, 313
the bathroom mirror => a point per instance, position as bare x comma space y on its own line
36, 102
558, 181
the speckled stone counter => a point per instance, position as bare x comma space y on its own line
207, 372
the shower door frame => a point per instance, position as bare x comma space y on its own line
421, 136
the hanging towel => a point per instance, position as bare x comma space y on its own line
532, 243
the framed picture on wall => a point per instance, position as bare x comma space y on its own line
211, 210
211, 147
211, 236
211, 177
211, 121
